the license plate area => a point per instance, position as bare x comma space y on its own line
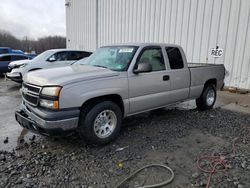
25, 121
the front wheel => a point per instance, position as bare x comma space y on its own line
101, 123
207, 99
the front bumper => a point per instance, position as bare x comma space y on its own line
58, 123
16, 77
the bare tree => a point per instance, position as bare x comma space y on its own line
8, 40
29, 45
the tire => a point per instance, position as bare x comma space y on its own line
207, 99
101, 123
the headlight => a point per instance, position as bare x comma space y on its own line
49, 104
51, 91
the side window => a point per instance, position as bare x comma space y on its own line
175, 58
5, 58
87, 54
59, 56
72, 56
18, 57
83, 54
76, 55
154, 57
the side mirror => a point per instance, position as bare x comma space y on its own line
52, 59
143, 67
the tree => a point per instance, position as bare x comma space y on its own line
8, 40
29, 45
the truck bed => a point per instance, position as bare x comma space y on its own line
200, 73
196, 65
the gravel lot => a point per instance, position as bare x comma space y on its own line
176, 136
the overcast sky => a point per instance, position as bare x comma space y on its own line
33, 18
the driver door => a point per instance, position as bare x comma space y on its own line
149, 90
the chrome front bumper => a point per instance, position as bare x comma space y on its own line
16, 77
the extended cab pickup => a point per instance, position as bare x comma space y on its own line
95, 94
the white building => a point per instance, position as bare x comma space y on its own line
197, 25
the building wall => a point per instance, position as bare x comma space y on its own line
81, 24
197, 25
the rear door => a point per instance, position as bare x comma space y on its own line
149, 90
180, 74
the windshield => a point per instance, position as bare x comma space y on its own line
44, 56
115, 58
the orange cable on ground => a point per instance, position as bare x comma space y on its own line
214, 162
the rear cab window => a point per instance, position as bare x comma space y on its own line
175, 58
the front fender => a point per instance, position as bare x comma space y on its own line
75, 95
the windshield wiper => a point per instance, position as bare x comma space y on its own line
101, 66
74, 62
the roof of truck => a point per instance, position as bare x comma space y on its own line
144, 44
64, 49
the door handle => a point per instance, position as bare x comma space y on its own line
166, 78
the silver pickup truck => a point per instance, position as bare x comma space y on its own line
95, 94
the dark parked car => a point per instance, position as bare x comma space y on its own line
31, 55
8, 50
5, 59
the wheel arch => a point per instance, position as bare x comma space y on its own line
212, 81
117, 99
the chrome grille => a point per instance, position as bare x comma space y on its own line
31, 88
31, 93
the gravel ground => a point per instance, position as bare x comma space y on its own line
173, 137
176, 137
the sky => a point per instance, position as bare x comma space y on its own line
33, 18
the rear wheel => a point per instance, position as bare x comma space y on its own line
207, 99
101, 123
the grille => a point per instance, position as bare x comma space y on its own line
30, 93
31, 88
30, 99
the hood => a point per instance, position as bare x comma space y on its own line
18, 63
68, 74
